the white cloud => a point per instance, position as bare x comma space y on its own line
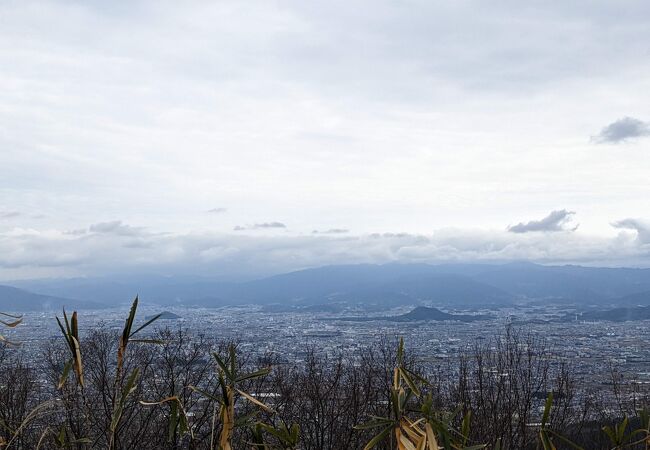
641, 227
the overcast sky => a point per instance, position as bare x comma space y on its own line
256, 137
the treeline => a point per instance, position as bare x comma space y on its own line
164, 388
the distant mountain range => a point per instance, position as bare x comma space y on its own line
14, 299
372, 285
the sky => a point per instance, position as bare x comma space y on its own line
232, 139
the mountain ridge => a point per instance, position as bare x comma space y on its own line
20, 300
381, 285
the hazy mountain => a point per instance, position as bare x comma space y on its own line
639, 298
378, 285
13, 299
388, 285
375, 284
574, 283
122, 290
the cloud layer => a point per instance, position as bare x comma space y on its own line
114, 248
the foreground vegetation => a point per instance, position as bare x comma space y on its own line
170, 389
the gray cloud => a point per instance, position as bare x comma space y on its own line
9, 214
269, 225
116, 227
260, 226
622, 130
76, 232
217, 210
641, 227
555, 221
332, 231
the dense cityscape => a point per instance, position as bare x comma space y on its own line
593, 349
